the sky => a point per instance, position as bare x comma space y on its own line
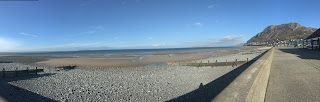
67, 25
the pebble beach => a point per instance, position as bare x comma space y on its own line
152, 83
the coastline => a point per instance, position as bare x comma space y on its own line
143, 59
140, 83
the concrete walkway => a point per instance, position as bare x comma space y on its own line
294, 76
2, 99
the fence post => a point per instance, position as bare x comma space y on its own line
236, 62
36, 70
247, 60
216, 63
27, 70
200, 64
3, 73
16, 71
226, 63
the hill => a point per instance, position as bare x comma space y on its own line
282, 32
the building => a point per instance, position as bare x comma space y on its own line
257, 44
295, 42
313, 41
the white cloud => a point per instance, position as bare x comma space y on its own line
95, 29
159, 45
197, 24
98, 28
233, 37
211, 6
91, 32
230, 40
8, 45
26, 34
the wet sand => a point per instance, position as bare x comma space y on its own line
142, 59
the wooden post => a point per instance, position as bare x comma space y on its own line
27, 70
3, 73
226, 63
236, 62
16, 71
36, 70
216, 63
247, 60
200, 64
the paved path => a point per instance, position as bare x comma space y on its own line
294, 76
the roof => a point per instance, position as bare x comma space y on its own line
314, 34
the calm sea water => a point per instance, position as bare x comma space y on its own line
108, 52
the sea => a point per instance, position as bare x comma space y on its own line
110, 52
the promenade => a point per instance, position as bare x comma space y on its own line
294, 76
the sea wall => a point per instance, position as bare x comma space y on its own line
259, 87
251, 84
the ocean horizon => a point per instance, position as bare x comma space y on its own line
104, 52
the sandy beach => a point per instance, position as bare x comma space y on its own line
142, 59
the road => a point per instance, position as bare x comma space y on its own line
294, 76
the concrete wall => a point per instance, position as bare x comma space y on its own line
259, 87
251, 84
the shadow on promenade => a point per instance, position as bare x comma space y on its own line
205, 93
16, 94
303, 53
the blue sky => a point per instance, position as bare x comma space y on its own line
61, 25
